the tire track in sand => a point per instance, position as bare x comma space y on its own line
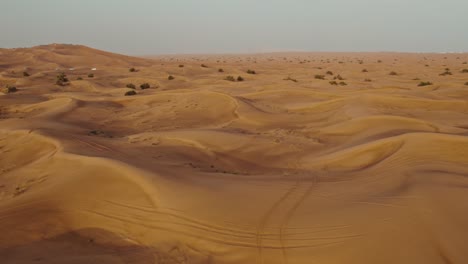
290, 213
266, 217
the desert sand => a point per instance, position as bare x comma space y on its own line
283, 167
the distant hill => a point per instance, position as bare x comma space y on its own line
65, 56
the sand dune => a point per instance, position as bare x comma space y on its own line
200, 169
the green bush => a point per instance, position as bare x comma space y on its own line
464, 71
131, 86
170, 78
343, 84
329, 73
220, 70
333, 83
251, 72
130, 93
240, 79
424, 83
145, 86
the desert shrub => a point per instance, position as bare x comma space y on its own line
204, 66
416, 79
365, 70
62, 79
26, 74
170, 78
333, 83
10, 89
251, 72
240, 79
343, 84
220, 70
466, 83
368, 80
379, 61
290, 79
130, 93
338, 77
329, 73
464, 71
393, 73
424, 83
230, 78
181, 66
91, 75
132, 70
319, 77
446, 72
145, 86
465, 62
131, 86
79, 78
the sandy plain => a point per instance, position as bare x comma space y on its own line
283, 167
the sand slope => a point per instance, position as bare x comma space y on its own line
203, 170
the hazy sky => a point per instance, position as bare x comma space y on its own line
215, 26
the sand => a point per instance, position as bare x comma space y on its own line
199, 169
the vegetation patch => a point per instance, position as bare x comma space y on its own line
290, 79
130, 93
446, 72
10, 89
424, 83
145, 86
62, 79
319, 77
230, 78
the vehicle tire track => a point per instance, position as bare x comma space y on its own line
264, 220
289, 214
